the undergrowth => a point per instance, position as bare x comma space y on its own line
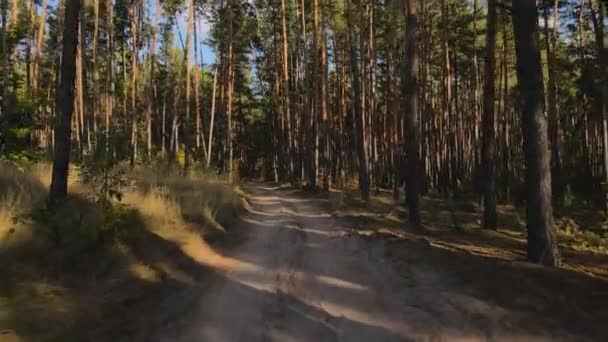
105, 201
577, 227
79, 258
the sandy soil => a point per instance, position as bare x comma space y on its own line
303, 274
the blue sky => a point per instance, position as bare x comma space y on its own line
202, 32
208, 55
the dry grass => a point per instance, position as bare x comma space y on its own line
21, 190
170, 199
62, 293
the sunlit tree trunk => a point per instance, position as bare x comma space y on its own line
187, 55
38, 50
201, 144
552, 105
80, 82
95, 90
133, 11
109, 72
212, 118
151, 108
287, 93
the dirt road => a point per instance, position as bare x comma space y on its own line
304, 275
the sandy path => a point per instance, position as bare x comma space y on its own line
303, 275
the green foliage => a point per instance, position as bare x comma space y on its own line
16, 128
78, 224
92, 218
105, 181
82, 221
571, 234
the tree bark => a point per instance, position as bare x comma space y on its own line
150, 109
410, 93
5, 61
598, 26
39, 40
325, 128
230, 87
212, 119
357, 109
65, 104
287, 94
201, 144
80, 83
446, 96
109, 73
552, 105
542, 245
134, 71
488, 125
187, 56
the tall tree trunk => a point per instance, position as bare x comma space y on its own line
446, 95
65, 103
150, 109
598, 26
5, 62
95, 71
507, 159
323, 84
80, 83
542, 246
212, 119
488, 125
410, 93
187, 55
304, 111
552, 105
357, 109
109, 73
39, 40
134, 11
287, 93
229, 95
201, 144
476, 79
314, 100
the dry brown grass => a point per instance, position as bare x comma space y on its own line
171, 199
21, 190
50, 293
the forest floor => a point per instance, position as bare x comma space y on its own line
303, 267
